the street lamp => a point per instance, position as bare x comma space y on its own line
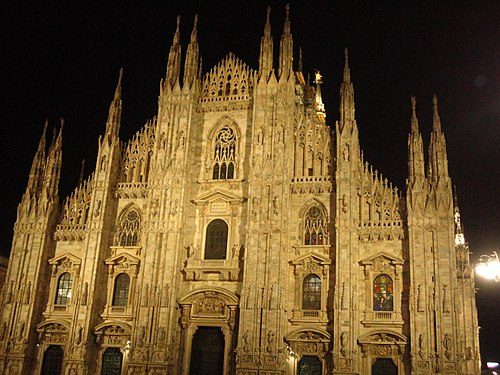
488, 267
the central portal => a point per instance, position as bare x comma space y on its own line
207, 352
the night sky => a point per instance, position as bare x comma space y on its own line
62, 59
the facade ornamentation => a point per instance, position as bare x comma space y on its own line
240, 225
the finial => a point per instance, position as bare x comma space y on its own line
300, 59
268, 13
286, 26
437, 120
81, 172
195, 29
61, 120
347, 72
318, 78
413, 107
118, 89
176, 35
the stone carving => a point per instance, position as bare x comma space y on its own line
79, 333
85, 293
421, 347
420, 307
235, 252
3, 329
255, 205
141, 336
343, 344
270, 341
447, 343
20, 331
97, 208
343, 302
276, 205
8, 298
446, 300
27, 294
244, 341
211, 305
161, 335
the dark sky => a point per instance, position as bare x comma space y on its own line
62, 59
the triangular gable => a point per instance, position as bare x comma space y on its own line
311, 257
219, 196
65, 259
121, 258
389, 257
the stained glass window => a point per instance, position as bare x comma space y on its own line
315, 227
64, 285
311, 293
112, 362
216, 240
129, 229
383, 293
224, 155
120, 292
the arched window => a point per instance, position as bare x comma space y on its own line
383, 293
315, 227
52, 360
112, 362
128, 234
216, 240
224, 155
311, 293
64, 285
120, 292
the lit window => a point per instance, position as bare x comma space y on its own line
224, 155
129, 229
63, 294
315, 228
120, 292
216, 240
383, 293
311, 293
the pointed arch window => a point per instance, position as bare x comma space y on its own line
315, 227
224, 157
383, 291
311, 292
64, 286
128, 234
121, 289
216, 240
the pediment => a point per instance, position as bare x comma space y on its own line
218, 196
311, 258
65, 259
383, 337
310, 334
122, 258
382, 257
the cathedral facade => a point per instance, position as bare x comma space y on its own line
238, 233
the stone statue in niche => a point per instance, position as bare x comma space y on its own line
235, 251
19, 331
270, 341
421, 347
343, 344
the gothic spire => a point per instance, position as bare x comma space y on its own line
115, 111
36, 172
415, 148
266, 49
346, 95
436, 121
174, 59
286, 48
191, 63
52, 171
438, 159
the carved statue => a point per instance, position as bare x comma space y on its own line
79, 333
270, 341
19, 331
